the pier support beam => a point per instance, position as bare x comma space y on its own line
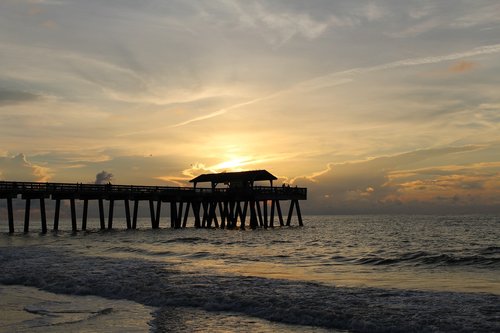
259, 214
264, 203
43, 216
84, 215
101, 214
186, 214
27, 215
253, 215
56, 214
127, 214
232, 217
173, 214
110, 216
74, 228
290, 211
205, 214
271, 218
10, 215
179, 215
294, 204
158, 212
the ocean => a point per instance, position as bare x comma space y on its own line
336, 274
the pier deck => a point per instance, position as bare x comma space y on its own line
226, 207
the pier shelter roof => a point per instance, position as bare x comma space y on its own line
245, 178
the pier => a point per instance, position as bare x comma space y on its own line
231, 200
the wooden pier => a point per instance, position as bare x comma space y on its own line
229, 202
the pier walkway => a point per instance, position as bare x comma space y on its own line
221, 207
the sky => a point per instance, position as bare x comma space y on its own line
382, 106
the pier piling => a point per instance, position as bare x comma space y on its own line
211, 207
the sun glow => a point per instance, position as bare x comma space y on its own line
234, 164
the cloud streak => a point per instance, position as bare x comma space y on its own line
347, 76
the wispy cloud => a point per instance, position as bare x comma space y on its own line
479, 16
279, 24
347, 76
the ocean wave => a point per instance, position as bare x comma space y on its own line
490, 250
422, 258
293, 302
141, 251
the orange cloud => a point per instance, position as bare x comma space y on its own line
19, 168
462, 66
49, 24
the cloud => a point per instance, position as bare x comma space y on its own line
462, 66
389, 183
483, 15
467, 184
417, 29
372, 12
278, 24
347, 76
103, 177
8, 97
18, 168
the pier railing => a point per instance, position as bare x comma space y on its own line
41, 188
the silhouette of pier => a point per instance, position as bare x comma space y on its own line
229, 206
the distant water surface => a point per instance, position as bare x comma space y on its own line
345, 273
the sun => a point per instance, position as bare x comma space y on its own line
232, 164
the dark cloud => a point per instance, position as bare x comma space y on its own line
15, 97
103, 177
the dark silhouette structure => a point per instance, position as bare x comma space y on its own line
231, 197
